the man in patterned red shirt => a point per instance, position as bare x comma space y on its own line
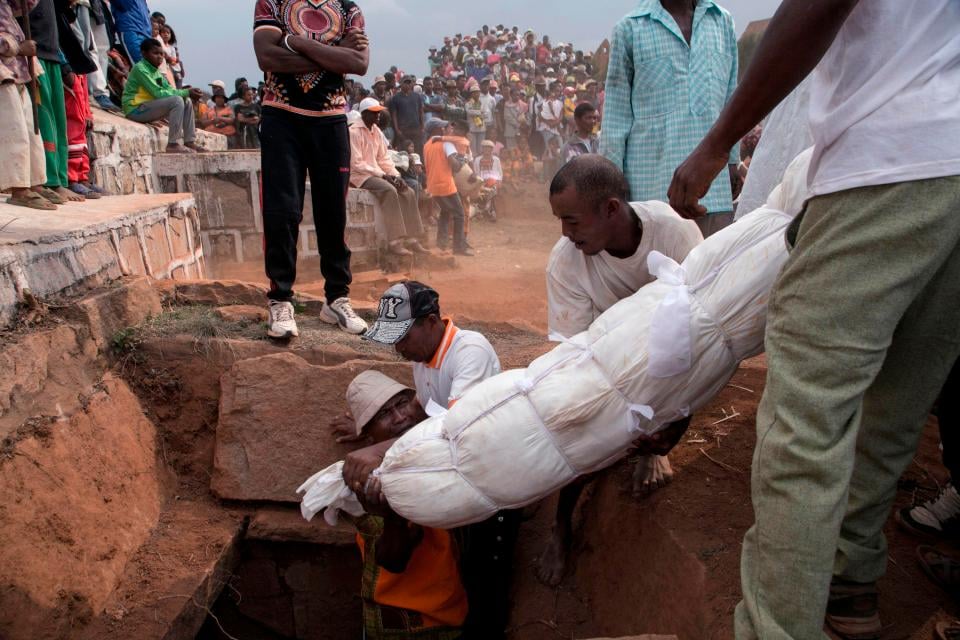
305, 48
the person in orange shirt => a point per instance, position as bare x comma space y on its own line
411, 586
442, 162
220, 118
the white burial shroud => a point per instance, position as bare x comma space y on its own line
652, 358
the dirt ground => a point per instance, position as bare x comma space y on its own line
670, 563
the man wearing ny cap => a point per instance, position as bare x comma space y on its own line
447, 363
411, 586
305, 50
372, 168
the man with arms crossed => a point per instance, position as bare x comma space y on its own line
305, 53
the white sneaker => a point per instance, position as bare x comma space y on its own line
340, 312
939, 517
282, 324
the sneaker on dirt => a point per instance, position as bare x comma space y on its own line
282, 324
339, 312
939, 518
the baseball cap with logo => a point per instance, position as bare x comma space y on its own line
400, 307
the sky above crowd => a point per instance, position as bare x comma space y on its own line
215, 38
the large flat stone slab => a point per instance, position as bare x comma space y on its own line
89, 244
275, 424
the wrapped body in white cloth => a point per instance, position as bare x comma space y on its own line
652, 358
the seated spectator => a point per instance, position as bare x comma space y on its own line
220, 119
149, 97
584, 140
487, 168
247, 114
372, 169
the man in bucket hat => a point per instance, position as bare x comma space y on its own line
447, 362
411, 585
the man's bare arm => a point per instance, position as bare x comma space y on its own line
273, 57
795, 41
340, 59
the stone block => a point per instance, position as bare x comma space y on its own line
217, 293
116, 308
130, 253
275, 423
179, 237
279, 524
243, 314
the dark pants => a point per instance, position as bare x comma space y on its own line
450, 207
948, 415
293, 145
486, 569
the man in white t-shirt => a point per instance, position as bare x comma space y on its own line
863, 323
447, 362
600, 260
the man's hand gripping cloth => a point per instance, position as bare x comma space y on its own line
652, 358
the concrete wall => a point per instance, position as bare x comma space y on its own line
101, 240
123, 151
227, 189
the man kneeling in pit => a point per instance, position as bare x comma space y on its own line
600, 260
411, 586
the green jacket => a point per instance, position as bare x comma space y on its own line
146, 83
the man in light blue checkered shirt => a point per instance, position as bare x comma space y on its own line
673, 66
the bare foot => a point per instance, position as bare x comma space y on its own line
68, 195
552, 564
195, 147
178, 148
650, 474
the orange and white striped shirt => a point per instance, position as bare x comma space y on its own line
463, 359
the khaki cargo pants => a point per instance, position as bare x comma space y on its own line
863, 328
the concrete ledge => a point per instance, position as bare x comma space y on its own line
88, 244
123, 151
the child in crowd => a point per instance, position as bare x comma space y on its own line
148, 97
487, 168
247, 115
79, 121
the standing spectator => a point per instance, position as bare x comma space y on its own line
407, 115
441, 162
247, 114
51, 110
863, 325
488, 100
83, 28
221, 119
98, 80
584, 140
172, 54
239, 86
514, 117
432, 102
550, 117
659, 109
79, 121
371, 168
23, 172
133, 23
303, 130
148, 97
476, 117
